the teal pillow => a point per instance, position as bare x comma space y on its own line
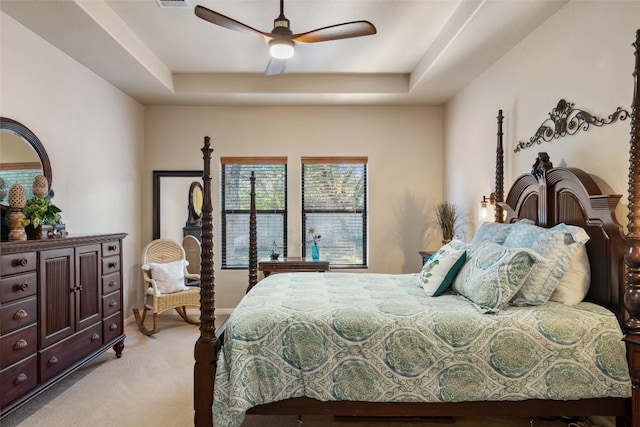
492, 274
556, 247
441, 268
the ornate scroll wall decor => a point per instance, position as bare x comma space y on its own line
565, 120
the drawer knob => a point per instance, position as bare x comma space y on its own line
112, 248
22, 286
113, 303
20, 314
20, 379
112, 283
52, 361
20, 344
95, 337
113, 264
113, 326
20, 262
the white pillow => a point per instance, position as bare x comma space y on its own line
441, 268
169, 276
574, 285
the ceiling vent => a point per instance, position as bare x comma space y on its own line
173, 3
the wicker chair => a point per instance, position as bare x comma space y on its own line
163, 253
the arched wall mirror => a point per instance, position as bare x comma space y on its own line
22, 157
175, 201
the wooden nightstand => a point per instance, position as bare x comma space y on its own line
425, 256
290, 265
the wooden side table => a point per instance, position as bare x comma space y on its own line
290, 265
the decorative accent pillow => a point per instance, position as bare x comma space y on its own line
493, 274
495, 232
556, 247
169, 276
574, 285
441, 268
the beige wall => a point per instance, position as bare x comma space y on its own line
583, 54
403, 144
92, 132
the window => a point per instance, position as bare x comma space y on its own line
271, 207
334, 203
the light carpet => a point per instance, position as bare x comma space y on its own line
152, 386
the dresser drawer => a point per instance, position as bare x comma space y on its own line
17, 314
110, 264
112, 327
110, 304
110, 283
18, 345
65, 353
18, 286
18, 379
18, 263
110, 248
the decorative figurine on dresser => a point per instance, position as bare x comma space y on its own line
60, 298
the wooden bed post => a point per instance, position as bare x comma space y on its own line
632, 258
499, 191
206, 348
253, 247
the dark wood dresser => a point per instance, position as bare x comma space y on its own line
60, 307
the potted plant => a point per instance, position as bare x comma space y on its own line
449, 217
41, 215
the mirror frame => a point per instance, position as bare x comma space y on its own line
195, 211
23, 131
157, 175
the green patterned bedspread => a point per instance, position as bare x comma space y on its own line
378, 337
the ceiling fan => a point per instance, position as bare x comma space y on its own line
281, 39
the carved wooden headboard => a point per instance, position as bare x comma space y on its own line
550, 196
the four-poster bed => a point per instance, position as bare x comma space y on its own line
548, 196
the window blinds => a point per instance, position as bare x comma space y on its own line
334, 203
271, 207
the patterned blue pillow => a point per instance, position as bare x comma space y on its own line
495, 232
493, 274
441, 268
556, 246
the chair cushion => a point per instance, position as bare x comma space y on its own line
169, 276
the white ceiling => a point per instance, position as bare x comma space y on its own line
423, 53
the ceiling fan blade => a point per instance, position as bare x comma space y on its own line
226, 22
275, 67
336, 32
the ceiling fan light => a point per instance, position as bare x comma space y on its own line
281, 49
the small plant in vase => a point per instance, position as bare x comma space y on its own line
315, 250
275, 251
40, 212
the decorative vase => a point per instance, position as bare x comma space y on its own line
17, 201
315, 252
